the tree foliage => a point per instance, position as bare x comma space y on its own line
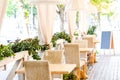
61, 9
12, 8
103, 7
14, 5
101, 4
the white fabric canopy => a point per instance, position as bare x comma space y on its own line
46, 16
3, 5
83, 7
83, 24
71, 22
91, 8
75, 5
72, 7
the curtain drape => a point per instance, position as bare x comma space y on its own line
71, 22
83, 24
3, 5
46, 17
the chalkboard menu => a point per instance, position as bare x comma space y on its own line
106, 40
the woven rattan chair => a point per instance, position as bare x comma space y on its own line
82, 44
72, 56
55, 57
37, 70
90, 39
91, 44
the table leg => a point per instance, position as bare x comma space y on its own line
84, 72
95, 60
78, 73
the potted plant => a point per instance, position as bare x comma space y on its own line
91, 30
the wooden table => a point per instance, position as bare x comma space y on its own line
85, 49
62, 68
96, 41
55, 69
93, 55
92, 58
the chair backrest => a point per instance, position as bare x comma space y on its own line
72, 55
37, 70
82, 43
54, 56
90, 39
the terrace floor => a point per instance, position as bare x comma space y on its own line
107, 68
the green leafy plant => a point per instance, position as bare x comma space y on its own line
69, 76
60, 35
5, 51
32, 45
44, 47
91, 30
76, 33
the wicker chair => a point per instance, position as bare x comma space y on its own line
91, 44
90, 39
55, 57
82, 44
72, 56
83, 55
37, 70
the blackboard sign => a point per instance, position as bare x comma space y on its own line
106, 40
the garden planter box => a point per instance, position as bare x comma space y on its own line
18, 56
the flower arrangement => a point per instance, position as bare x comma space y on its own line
60, 35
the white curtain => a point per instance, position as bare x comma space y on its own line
84, 17
83, 24
46, 16
75, 5
3, 5
81, 6
71, 22
72, 7
91, 8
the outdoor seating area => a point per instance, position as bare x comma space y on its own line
59, 40
76, 58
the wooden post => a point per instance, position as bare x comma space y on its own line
112, 44
12, 72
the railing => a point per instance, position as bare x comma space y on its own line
18, 58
